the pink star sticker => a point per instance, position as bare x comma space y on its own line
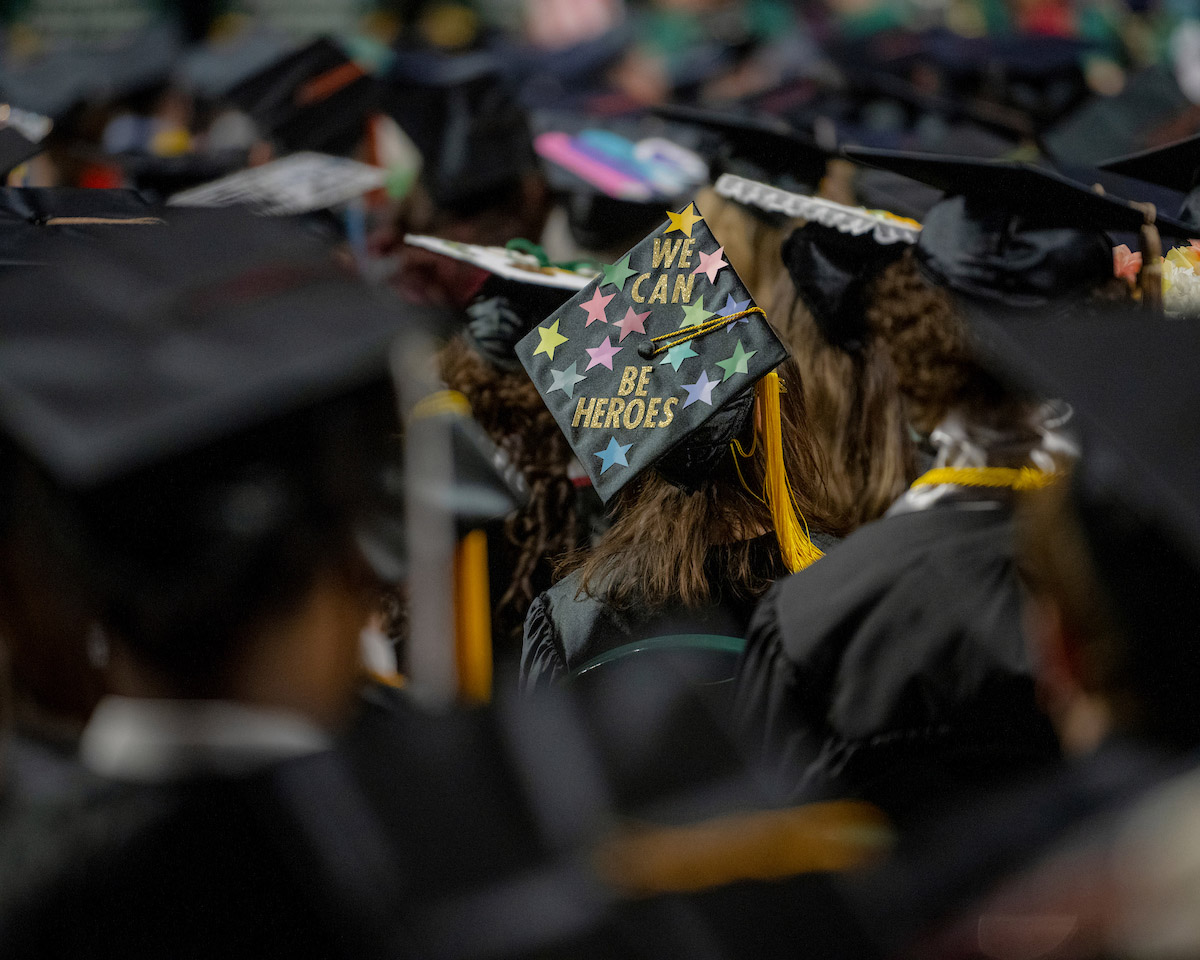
602, 354
632, 323
710, 264
595, 307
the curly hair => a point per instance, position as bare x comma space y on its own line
856, 414
547, 528
655, 553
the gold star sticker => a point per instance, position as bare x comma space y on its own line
551, 339
683, 222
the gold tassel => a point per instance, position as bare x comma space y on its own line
790, 527
472, 616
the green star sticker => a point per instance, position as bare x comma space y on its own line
551, 339
694, 313
617, 273
677, 354
736, 363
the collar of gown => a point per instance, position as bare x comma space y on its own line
152, 741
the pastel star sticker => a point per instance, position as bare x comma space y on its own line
632, 323
551, 339
710, 264
731, 307
602, 354
736, 363
683, 222
565, 380
677, 354
694, 313
700, 390
595, 307
617, 273
613, 453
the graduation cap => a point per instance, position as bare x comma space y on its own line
315, 98
15, 149
1136, 489
164, 176
473, 134
1016, 234
29, 215
658, 363
515, 290
1175, 166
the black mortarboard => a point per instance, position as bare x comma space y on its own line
472, 132
31, 214
759, 147
515, 291
653, 363
158, 342
1175, 166
164, 176
1011, 232
15, 149
315, 98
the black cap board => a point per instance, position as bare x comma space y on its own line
31, 214
121, 355
1014, 233
1175, 165
15, 149
655, 357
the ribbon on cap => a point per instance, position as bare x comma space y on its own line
665, 341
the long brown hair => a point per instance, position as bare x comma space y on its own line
855, 412
657, 551
516, 418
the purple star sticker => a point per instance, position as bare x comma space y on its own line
700, 390
731, 307
602, 354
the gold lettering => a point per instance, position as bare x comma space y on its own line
683, 285
598, 416
668, 411
634, 292
665, 250
659, 295
628, 379
643, 381
630, 421
652, 411
582, 412
685, 255
615, 406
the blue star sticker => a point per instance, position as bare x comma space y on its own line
677, 354
734, 306
614, 453
700, 390
566, 379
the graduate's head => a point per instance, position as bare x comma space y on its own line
213, 428
1112, 553
662, 374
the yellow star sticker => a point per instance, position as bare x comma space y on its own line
683, 222
551, 339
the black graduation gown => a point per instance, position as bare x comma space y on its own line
564, 630
894, 669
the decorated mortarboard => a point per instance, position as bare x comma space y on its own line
833, 256
517, 287
315, 98
1175, 166
658, 363
1016, 234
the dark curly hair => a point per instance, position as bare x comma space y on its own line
547, 529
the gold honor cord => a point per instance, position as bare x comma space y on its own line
677, 337
1011, 478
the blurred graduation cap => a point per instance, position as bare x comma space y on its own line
657, 363
473, 135
1016, 234
758, 147
1175, 166
15, 149
163, 176
515, 290
315, 98
29, 215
